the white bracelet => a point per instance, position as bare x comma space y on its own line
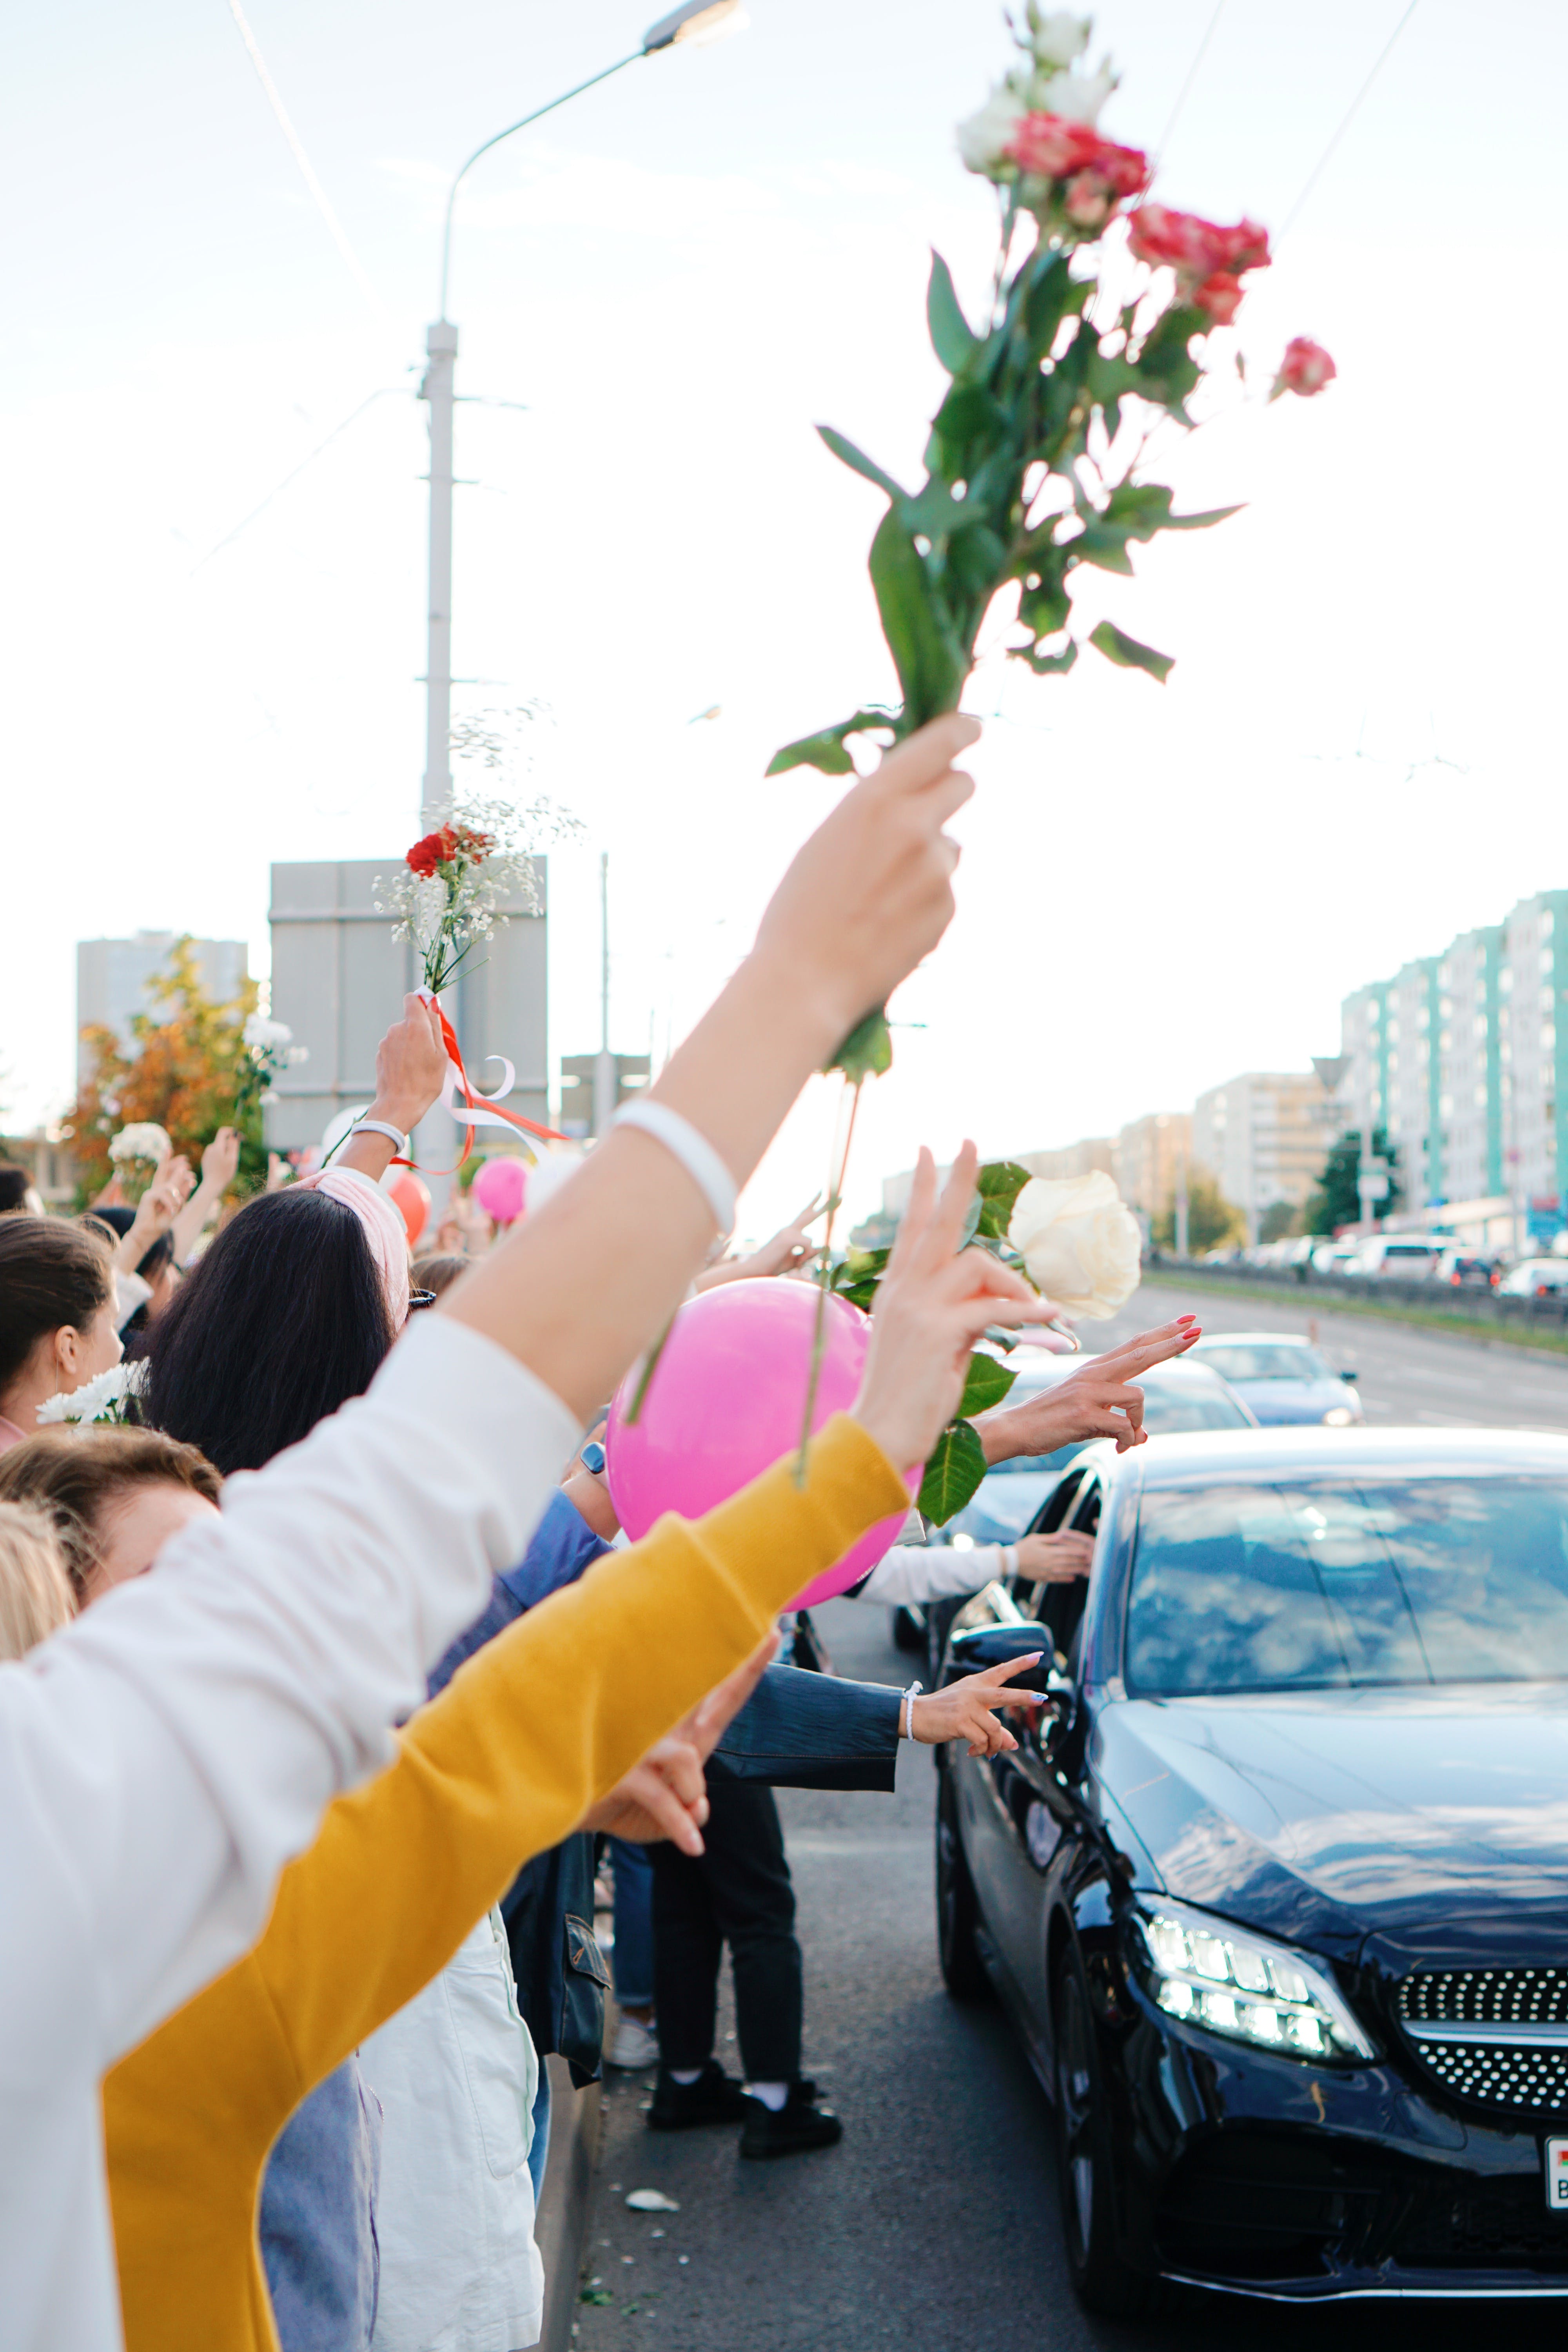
380, 1127
694, 1151
910, 1697
1009, 1559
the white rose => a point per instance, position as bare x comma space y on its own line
1078, 97
1058, 38
1078, 1244
982, 138
260, 1031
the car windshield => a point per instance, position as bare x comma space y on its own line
1169, 1408
1255, 1360
1276, 1588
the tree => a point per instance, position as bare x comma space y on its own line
186, 1070
1278, 1221
1212, 1220
1336, 1201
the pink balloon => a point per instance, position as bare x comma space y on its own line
411, 1196
501, 1189
725, 1404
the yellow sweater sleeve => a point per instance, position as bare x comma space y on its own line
502, 1765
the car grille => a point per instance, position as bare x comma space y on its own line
1499, 2036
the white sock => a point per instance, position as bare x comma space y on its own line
771, 2094
681, 2076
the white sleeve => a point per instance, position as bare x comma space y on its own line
912, 1573
130, 1291
162, 1758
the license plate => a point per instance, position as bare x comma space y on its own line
1557, 2174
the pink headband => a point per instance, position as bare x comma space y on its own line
383, 1230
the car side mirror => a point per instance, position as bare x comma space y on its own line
981, 1646
1353, 1377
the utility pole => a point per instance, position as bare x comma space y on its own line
441, 359
605, 1067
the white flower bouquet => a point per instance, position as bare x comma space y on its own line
142, 1141
106, 1399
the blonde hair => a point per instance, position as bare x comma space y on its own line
35, 1590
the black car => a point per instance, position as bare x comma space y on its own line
1276, 1894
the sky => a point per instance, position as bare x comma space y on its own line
667, 284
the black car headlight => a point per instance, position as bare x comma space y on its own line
1231, 1981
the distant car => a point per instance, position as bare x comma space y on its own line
1409, 1257
1464, 1272
1535, 1278
1181, 1396
1281, 1378
1335, 1257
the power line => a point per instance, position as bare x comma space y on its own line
1349, 116
278, 488
1185, 92
322, 202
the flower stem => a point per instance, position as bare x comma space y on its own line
850, 1103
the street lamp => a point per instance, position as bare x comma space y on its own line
700, 21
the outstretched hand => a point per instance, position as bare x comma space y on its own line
964, 1709
1097, 1400
787, 1252
666, 1795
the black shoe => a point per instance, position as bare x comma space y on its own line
714, 2098
798, 2125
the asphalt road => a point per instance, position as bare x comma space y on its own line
1406, 1374
933, 2227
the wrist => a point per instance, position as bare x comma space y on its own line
398, 1111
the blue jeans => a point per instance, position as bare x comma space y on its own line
634, 1923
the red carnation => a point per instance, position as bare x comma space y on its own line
1306, 368
428, 853
1196, 248
1051, 148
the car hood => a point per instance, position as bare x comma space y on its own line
1286, 1401
1327, 1817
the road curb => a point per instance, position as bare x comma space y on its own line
561, 2224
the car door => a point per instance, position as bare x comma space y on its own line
1030, 1812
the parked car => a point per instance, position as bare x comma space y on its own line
1464, 1271
1409, 1257
1335, 1257
1535, 1278
1276, 1894
1282, 1377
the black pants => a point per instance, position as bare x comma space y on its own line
737, 1893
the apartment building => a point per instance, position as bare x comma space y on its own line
1264, 1137
1147, 1157
1458, 1056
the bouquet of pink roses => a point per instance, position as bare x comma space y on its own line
1098, 326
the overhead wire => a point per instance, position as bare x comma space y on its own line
1185, 92
1348, 116
307, 173
278, 488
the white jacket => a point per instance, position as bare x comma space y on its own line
163, 1756
456, 2075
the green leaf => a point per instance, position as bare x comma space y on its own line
1128, 654
953, 1473
931, 669
858, 461
1166, 367
999, 1183
1046, 665
867, 1050
950, 336
826, 751
1103, 545
971, 422
1201, 521
985, 1383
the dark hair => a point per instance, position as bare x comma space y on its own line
15, 1185
436, 1273
280, 1321
78, 1475
120, 1221
52, 1275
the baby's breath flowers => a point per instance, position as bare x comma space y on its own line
446, 894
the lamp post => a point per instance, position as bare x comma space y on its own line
698, 22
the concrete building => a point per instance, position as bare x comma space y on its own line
1460, 1057
1264, 1137
1147, 1157
112, 976
1070, 1160
339, 980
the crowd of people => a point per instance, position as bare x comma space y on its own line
330, 1681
